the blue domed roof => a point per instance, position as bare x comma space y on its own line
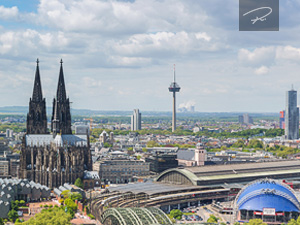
267, 194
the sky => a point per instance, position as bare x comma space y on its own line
119, 55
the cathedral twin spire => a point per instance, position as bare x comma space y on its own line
61, 115
37, 94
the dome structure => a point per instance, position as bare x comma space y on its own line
266, 198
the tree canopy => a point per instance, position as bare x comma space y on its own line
79, 183
176, 214
51, 216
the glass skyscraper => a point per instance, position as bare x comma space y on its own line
291, 116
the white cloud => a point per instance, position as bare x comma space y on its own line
91, 82
165, 43
203, 36
8, 13
288, 53
257, 57
261, 70
110, 44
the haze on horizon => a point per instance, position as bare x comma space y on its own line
119, 55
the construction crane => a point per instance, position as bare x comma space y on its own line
91, 122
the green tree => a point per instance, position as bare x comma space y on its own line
176, 214
66, 194
144, 149
239, 143
254, 143
256, 222
76, 196
1, 221
292, 222
212, 219
12, 215
52, 216
14, 205
70, 204
79, 183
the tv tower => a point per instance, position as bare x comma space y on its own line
174, 87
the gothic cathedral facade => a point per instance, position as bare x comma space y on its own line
55, 158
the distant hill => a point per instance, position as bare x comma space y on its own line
88, 112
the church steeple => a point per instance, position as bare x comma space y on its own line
37, 116
61, 115
37, 94
61, 89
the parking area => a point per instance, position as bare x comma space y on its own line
196, 214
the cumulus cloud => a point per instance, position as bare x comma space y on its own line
115, 17
288, 53
8, 13
105, 40
164, 43
261, 70
257, 57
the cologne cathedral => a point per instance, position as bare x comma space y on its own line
55, 158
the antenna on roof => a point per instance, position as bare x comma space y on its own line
174, 72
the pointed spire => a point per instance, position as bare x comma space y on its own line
174, 73
37, 94
61, 89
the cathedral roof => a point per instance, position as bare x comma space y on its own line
47, 139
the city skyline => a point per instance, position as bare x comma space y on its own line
115, 61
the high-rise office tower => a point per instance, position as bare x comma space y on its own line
136, 120
174, 87
291, 116
281, 120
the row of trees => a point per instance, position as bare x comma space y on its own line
180, 131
